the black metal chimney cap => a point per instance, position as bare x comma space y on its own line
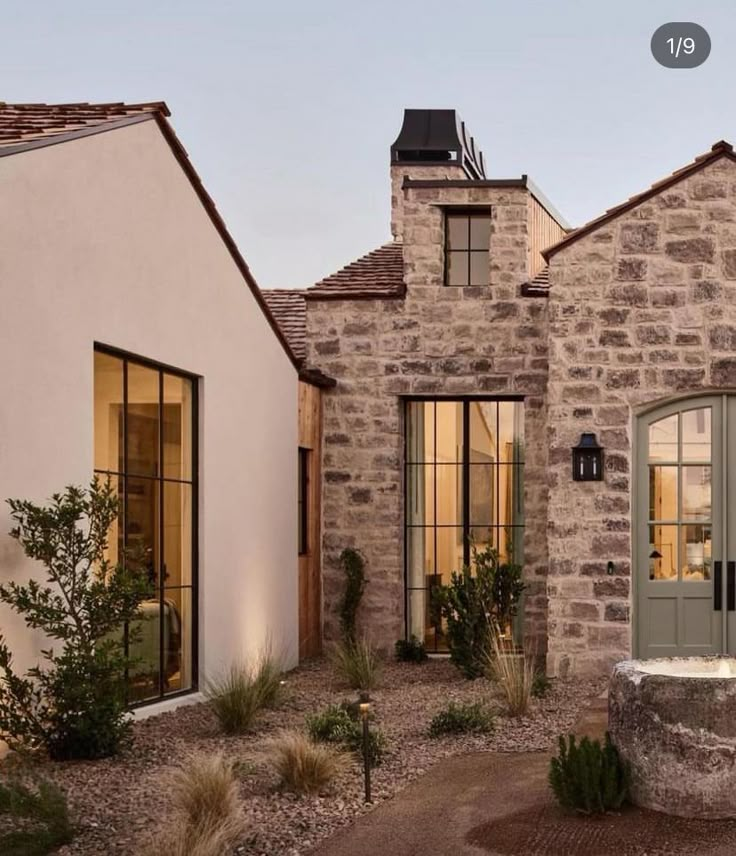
437, 136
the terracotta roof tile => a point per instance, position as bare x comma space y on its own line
21, 122
289, 308
377, 275
719, 150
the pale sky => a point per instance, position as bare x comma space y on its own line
288, 109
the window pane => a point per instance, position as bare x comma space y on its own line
116, 543
457, 269
449, 551
108, 391
449, 501
510, 501
483, 510
480, 233
511, 431
663, 493
145, 647
662, 552
419, 557
483, 416
142, 535
420, 431
420, 495
480, 272
143, 427
177, 547
177, 427
696, 430
177, 635
696, 502
449, 432
457, 232
695, 552
663, 439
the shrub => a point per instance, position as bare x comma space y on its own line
482, 594
207, 819
589, 778
411, 651
540, 685
75, 704
303, 766
336, 725
357, 663
515, 676
38, 819
468, 718
353, 564
238, 695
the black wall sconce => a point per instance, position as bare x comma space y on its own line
587, 459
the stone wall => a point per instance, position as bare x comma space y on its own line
641, 309
438, 340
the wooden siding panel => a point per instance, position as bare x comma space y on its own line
544, 231
310, 565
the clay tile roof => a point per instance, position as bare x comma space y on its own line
21, 122
289, 308
537, 287
718, 150
377, 275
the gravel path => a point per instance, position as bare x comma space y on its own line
118, 802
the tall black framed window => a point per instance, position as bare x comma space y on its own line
145, 426
303, 502
467, 247
464, 462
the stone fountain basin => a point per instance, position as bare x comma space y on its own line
674, 721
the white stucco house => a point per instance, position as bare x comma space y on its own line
135, 343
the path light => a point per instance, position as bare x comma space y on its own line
364, 706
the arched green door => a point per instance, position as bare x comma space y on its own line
685, 556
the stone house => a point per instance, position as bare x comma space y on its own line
470, 354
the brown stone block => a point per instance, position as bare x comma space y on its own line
691, 250
609, 545
683, 379
609, 637
653, 334
623, 379
631, 269
663, 356
708, 189
617, 611
638, 237
723, 372
688, 339
582, 610
729, 263
614, 339
619, 587
612, 504
662, 297
611, 317
628, 295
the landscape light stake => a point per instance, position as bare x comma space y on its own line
364, 705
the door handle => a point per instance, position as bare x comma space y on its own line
731, 586
717, 586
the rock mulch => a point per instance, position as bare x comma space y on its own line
117, 803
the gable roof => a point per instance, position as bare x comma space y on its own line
19, 122
538, 286
25, 127
289, 308
719, 150
374, 276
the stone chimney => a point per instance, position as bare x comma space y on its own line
431, 144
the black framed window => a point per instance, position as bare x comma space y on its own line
467, 247
303, 501
145, 425
464, 462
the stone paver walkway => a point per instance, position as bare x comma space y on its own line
494, 804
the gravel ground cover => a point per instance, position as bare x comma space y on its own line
117, 803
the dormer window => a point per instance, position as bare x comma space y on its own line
467, 245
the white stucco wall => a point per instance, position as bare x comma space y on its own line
103, 239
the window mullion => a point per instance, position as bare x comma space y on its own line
466, 483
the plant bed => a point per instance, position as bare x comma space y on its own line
117, 802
